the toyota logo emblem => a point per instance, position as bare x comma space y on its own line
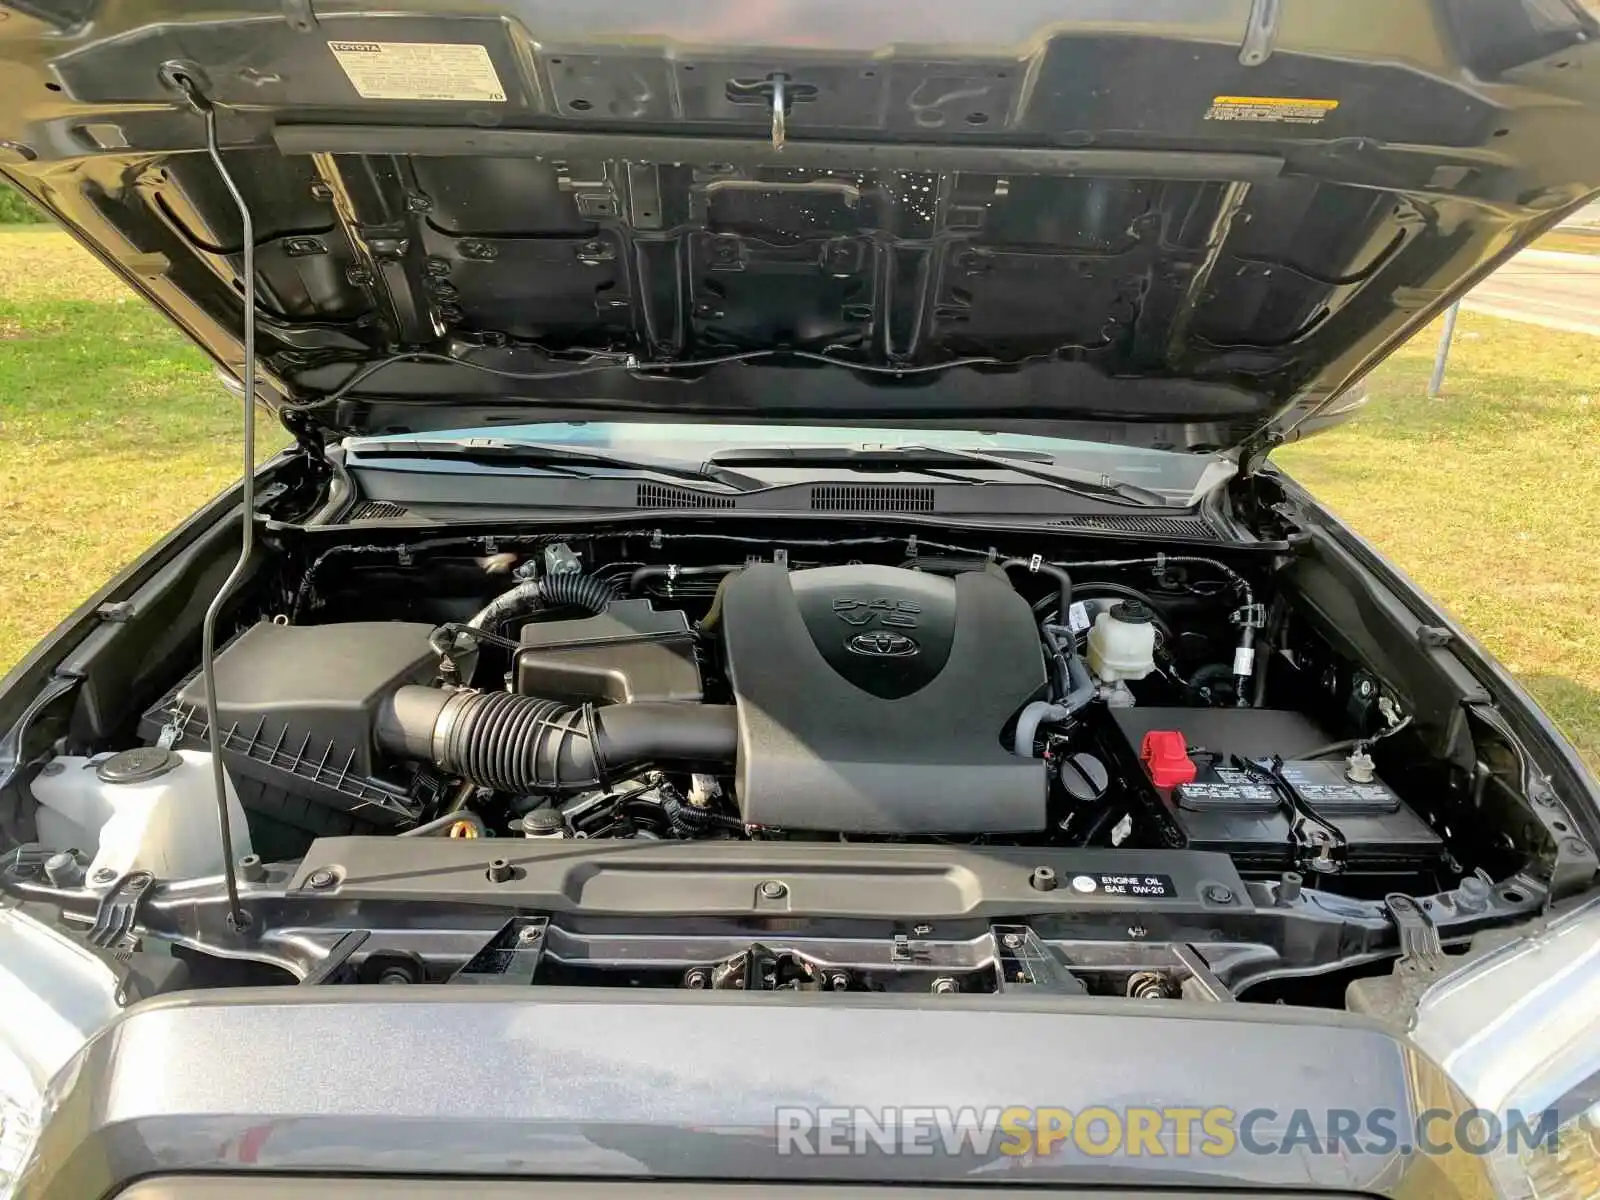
882, 644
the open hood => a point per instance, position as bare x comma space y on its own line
1178, 223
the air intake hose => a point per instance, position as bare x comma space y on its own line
522, 744
553, 591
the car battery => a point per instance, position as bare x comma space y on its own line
1225, 805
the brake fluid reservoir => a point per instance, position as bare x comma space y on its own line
142, 809
1122, 642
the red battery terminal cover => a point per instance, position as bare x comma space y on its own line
1165, 754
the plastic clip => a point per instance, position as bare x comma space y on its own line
1251, 616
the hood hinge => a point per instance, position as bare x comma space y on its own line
1253, 454
309, 438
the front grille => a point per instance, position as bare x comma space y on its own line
660, 495
376, 510
856, 497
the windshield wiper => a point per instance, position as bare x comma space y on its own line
573, 460
1090, 484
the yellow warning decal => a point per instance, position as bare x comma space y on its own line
1292, 109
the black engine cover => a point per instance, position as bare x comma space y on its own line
871, 700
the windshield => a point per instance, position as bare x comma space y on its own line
691, 443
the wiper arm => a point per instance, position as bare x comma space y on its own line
1090, 484
502, 451
1087, 483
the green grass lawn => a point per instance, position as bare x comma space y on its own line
1484, 496
112, 429
1572, 241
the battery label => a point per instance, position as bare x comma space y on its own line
1325, 784
1156, 886
1226, 787
1220, 792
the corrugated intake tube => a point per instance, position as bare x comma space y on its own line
522, 744
553, 591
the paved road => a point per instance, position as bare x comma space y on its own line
1544, 287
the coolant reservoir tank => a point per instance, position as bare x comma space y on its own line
1122, 642
143, 809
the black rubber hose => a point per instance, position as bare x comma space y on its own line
581, 591
553, 591
1063, 580
522, 744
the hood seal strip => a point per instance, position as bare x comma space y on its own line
441, 141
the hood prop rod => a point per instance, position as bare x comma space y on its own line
238, 919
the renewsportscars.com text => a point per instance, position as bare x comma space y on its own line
1102, 1131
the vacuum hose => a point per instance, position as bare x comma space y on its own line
522, 744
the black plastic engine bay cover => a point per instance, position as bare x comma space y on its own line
872, 700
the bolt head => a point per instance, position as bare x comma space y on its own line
529, 933
944, 986
695, 979
921, 930
321, 878
499, 870
104, 875
1012, 940
1215, 893
773, 889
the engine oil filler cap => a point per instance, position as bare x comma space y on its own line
138, 765
1165, 754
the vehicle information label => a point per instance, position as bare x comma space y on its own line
1320, 783
1124, 885
419, 71
1228, 787
1270, 108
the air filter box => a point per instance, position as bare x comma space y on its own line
297, 705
